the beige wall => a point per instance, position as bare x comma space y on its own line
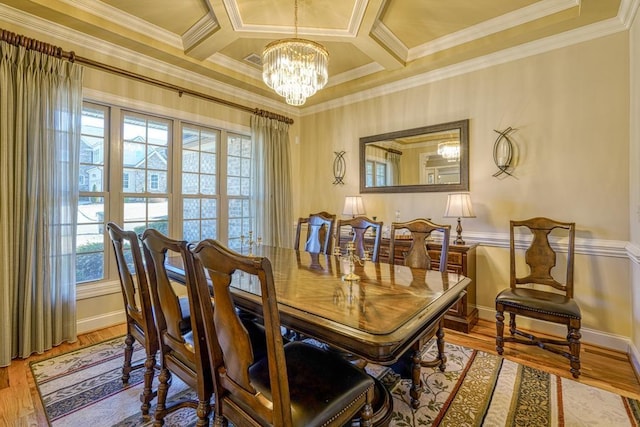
571, 110
634, 193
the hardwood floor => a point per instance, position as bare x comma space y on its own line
611, 370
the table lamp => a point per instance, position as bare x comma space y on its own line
459, 206
353, 206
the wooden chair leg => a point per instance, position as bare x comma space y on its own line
573, 337
128, 354
500, 332
147, 392
512, 323
202, 411
164, 379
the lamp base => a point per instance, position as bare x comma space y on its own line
459, 240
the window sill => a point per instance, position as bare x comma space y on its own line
96, 289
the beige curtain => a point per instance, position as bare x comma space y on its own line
272, 201
40, 113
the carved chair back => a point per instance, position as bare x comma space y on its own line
358, 226
137, 306
418, 255
540, 256
319, 232
252, 391
182, 351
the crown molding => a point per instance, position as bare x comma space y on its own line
627, 12
123, 19
362, 71
205, 26
385, 36
501, 23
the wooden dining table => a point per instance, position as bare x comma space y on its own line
388, 311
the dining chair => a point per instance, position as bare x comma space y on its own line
537, 294
418, 255
354, 229
417, 258
319, 232
295, 384
181, 352
137, 307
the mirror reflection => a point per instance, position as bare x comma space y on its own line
431, 158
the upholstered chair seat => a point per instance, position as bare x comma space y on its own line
539, 301
337, 389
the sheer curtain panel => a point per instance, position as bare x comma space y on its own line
272, 199
40, 113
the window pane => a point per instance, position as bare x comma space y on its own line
208, 163
134, 155
190, 183
90, 236
199, 177
208, 184
190, 161
191, 208
157, 182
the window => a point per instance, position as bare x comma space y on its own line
239, 165
199, 195
375, 173
209, 182
91, 203
145, 155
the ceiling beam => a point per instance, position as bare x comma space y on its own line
210, 34
374, 47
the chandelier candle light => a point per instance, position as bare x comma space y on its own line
295, 68
459, 206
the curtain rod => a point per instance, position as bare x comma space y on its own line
58, 52
389, 150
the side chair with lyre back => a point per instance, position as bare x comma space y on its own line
137, 307
182, 352
537, 294
286, 387
320, 228
354, 230
418, 255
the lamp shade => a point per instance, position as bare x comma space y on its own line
353, 206
459, 206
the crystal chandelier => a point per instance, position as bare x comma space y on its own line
295, 68
449, 150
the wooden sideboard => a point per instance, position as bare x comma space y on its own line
461, 259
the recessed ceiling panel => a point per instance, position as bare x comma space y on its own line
416, 22
329, 14
171, 15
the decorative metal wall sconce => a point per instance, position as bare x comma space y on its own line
503, 151
339, 167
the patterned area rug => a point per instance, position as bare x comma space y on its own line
83, 388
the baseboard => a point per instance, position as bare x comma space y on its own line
634, 356
589, 336
105, 320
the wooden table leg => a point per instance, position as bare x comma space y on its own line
417, 363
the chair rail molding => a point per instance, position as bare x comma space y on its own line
584, 246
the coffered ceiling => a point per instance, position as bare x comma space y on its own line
371, 43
